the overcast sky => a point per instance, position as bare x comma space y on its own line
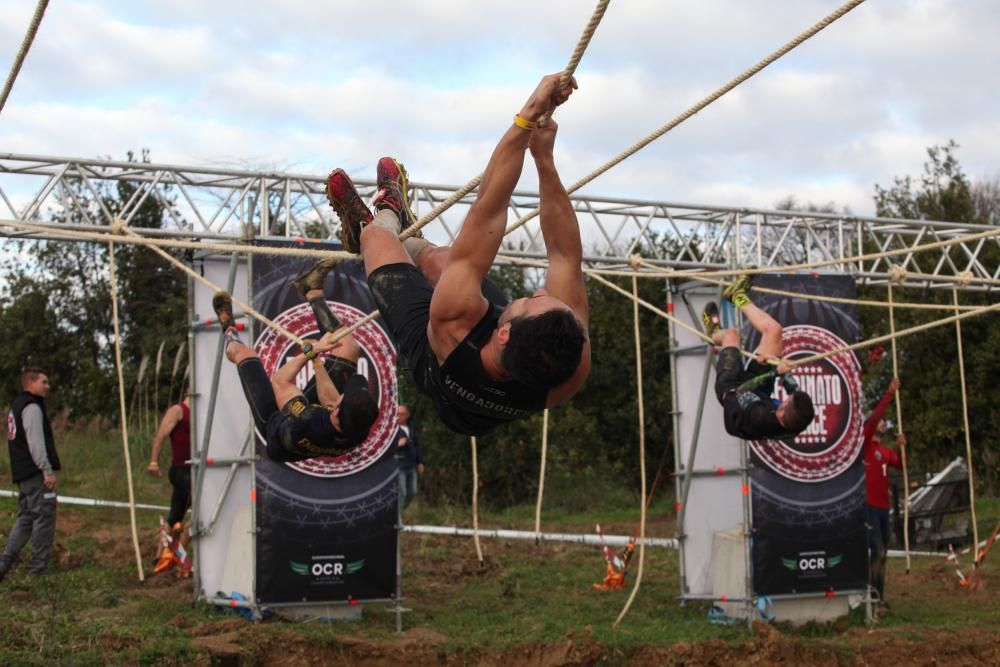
307, 86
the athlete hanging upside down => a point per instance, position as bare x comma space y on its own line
750, 412
482, 360
334, 413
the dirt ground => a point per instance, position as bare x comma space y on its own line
234, 641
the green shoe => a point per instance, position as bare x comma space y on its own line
738, 291
710, 318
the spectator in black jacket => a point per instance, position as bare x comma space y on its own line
408, 454
33, 465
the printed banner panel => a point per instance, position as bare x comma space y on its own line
808, 493
326, 526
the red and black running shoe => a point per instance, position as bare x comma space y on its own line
351, 210
393, 187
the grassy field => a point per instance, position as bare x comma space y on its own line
528, 605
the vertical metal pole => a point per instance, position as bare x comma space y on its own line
687, 476
760, 240
399, 553
675, 417
192, 367
840, 243
747, 529
748, 596
248, 236
230, 474
265, 208
199, 468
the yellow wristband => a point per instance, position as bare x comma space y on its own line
523, 123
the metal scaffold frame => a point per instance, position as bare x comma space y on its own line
216, 203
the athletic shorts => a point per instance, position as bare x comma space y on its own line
730, 372
403, 297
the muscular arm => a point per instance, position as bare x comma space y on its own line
171, 418
326, 391
457, 295
872, 423
457, 298
283, 381
347, 348
560, 229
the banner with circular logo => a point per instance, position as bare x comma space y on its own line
326, 526
808, 492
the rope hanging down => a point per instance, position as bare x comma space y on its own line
475, 502
642, 452
899, 425
642, 143
541, 475
248, 309
22, 53
113, 281
968, 437
828, 299
574, 60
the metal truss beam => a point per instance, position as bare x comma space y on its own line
218, 203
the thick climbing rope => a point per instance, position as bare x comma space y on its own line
642, 452
541, 475
654, 270
816, 357
843, 9
135, 239
568, 72
113, 283
827, 299
249, 310
228, 248
899, 426
215, 288
968, 435
22, 53
899, 334
475, 503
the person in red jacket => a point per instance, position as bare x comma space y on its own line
878, 460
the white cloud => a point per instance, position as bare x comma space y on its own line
313, 85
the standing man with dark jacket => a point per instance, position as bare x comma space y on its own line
33, 462
408, 453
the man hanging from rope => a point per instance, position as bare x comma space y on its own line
749, 410
334, 421
482, 360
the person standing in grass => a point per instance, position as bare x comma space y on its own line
408, 453
33, 465
176, 425
878, 460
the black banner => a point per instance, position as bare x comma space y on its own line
808, 493
326, 527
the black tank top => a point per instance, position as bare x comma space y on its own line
470, 401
